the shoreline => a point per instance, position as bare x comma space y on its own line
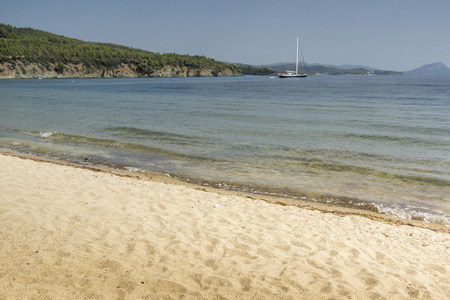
302, 204
69, 231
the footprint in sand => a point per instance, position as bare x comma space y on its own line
246, 283
211, 263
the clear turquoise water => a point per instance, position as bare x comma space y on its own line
376, 142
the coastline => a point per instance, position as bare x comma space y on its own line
75, 231
278, 200
287, 167
22, 70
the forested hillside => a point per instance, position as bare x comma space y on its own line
31, 53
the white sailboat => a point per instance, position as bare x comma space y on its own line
292, 74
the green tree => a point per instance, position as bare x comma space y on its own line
59, 68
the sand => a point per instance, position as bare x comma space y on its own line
75, 233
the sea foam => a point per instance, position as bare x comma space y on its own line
45, 134
133, 169
414, 213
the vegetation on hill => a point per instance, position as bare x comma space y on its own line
47, 52
251, 70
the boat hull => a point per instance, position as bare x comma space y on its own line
292, 76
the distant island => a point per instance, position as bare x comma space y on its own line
436, 68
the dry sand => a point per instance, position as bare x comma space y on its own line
74, 233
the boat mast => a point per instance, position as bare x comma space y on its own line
296, 60
303, 60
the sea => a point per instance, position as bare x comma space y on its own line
380, 143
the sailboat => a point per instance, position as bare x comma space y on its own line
292, 74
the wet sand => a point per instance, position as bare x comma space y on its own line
73, 233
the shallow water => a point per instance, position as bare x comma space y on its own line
377, 142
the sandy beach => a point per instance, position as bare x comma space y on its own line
74, 233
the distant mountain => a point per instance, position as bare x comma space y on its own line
343, 67
346, 67
436, 68
319, 69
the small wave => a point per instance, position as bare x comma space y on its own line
335, 161
46, 134
132, 131
405, 140
79, 140
134, 169
140, 133
414, 213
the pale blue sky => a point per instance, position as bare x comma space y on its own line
387, 34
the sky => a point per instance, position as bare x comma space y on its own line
398, 35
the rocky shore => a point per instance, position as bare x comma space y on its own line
20, 70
